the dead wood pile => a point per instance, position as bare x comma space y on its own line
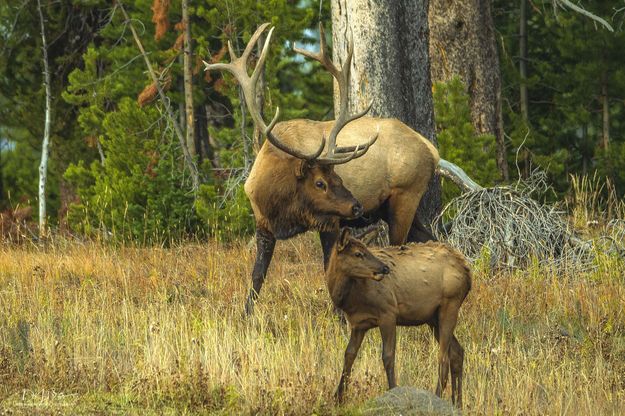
512, 229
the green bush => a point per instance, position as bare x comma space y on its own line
140, 192
227, 214
458, 142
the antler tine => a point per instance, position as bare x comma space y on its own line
250, 45
322, 55
346, 149
356, 152
273, 140
238, 68
365, 147
350, 54
342, 79
233, 56
263, 56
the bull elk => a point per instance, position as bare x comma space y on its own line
300, 181
408, 286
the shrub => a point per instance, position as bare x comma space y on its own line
457, 139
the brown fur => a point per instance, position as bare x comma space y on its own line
394, 172
286, 204
385, 165
424, 284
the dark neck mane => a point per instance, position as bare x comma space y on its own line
287, 223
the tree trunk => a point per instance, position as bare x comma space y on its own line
188, 80
247, 156
462, 43
606, 111
43, 166
212, 145
523, 60
260, 98
585, 157
2, 201
195, 176
391, 66
523, 100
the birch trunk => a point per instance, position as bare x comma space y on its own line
43, 166
391, 66
462, 43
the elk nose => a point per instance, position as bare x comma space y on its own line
386, 270
357, 209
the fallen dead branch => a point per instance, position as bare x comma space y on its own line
513, 230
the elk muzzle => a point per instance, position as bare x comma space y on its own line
381, 273
357, 209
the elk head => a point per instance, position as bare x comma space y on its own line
356, 261
322, 191
318, 190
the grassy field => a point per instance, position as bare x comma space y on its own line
86, 328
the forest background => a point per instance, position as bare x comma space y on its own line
117, 169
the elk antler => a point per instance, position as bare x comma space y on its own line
342, 78
238, 68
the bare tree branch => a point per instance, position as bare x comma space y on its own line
187, 156
457, 175
580, 10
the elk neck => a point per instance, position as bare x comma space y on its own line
339, 283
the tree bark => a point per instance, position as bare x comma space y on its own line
606, 112
391, 66
188, 79
523, 60
523, 100
43, 166
462, 43
2, 201
260, 98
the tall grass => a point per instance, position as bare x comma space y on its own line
593, 201
89, 327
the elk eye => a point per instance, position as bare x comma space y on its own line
359, 255
320, 185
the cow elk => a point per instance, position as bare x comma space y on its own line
300, 181
408, 285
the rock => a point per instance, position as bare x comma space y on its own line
409, 401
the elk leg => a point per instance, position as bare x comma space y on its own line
389, 340
328, 239
447, 317
419, 233
401, 211
355, 340
265, 243
456, 358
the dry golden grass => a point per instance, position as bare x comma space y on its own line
89, 328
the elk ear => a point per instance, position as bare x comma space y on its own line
343, 240
369, 235
301, 168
